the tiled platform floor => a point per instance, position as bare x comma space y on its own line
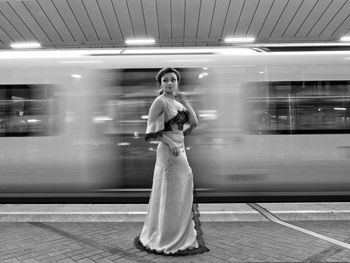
259, 241
97, 233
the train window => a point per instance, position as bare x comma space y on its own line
298, 107
27, 110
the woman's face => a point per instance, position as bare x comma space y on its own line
169, 82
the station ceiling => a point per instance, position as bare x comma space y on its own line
172, 23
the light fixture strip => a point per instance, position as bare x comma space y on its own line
345, 38
239, 39
146, 41
26, 45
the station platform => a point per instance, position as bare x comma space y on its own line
264, 232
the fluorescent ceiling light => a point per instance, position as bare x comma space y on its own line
239, 39
345, 38
146, 41
26, 45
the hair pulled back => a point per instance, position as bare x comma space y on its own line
164, 71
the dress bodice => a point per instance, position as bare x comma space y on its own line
176, 115
177, 123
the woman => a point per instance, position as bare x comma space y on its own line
172, 225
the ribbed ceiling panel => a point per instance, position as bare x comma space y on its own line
106, 23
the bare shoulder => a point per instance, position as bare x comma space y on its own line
158, 102
159, 98
157, 106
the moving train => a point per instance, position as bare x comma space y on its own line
273, 125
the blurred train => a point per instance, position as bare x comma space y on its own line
273, 125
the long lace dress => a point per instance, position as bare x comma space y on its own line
172, 226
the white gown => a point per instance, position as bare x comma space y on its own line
172, 225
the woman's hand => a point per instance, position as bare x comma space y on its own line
181, 97
175, 150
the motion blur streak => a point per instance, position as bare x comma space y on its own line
267, 123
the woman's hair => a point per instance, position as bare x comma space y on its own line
164, 71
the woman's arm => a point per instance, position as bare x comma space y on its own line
155, 111
192, 116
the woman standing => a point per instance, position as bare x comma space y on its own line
171, 226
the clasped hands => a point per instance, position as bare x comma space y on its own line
174, 149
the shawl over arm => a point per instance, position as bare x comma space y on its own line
155, 122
